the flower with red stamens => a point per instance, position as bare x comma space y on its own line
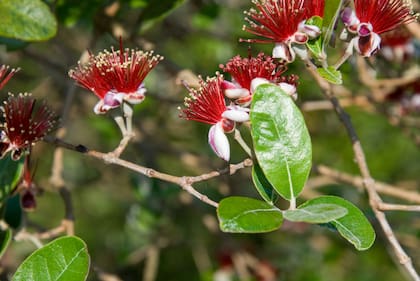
25, 123
207, 105
372, 18
6, 74
116, 76
244, 70
283, 22
397, 45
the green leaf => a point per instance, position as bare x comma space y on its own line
313, 212
263, 186
247, 215
331, 75
27, 20
315, 45
5, 238
156, 10
354, 226
281, 140
64, 259
331, 12
10, 174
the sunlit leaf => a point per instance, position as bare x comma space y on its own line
64, 259
247, 215
281, 140
314, 212
354, 226
331, 75
27, 20
315, 45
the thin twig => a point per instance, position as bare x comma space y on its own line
242, 143
383, 188
184, 182
369, 183
398, 207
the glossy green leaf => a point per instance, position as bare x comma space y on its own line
64, 259
13, 212
263, 186
27, 20
331, 12
281, 140
313, 212
5, 238
10, 174
247, 215
354, 226
331, 75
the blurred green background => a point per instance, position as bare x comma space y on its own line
129, 221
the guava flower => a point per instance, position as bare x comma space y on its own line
5, 74
207, 105
372, 18
397, 45
283, 22
25, 123
116, 76
244, 70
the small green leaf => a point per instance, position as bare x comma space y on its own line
281, 140
315, 45
331, 75
247, 215
331, 12
354, 226
27, 20
5, 238
315, 213
263, 186
64, 259
10, 174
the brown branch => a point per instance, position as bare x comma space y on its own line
185, 182
368, 182
383, 188
398, 207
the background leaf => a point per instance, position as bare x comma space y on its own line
5, 238
331, 12
10, 174
331, 75
247, 215
281, 140
64, 259
28, 20
263, 186
315, 212
354, 226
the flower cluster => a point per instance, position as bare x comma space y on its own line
397, 45
25, 123
208, 105
372, 18
283, 22
116, 76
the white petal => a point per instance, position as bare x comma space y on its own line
312, 31
99, 107
219, 142
236, 115
288, 88
283, 51
256, 82
236, 93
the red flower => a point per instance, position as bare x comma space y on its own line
245, 70
5, 74
283, 22
372, 18
207, 105
24, 124
116, 76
